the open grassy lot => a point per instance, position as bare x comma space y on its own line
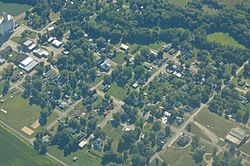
13, 8
18, 39
178, 157
15, 152
85, 158
19, 112
117, 91
1, 87
218, 124
119, 59
179, 3
234, 2
224, 39
198, 132
246, 148
113, 134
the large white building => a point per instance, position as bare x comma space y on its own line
6, 24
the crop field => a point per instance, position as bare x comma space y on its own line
12, 152
224, 39
13, 8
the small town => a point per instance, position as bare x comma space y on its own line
125, 82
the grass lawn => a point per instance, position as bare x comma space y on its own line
117, 91
113, 134
119, 59
179, 3
13, 8
19, 112
246, 148
198, 132
85, 158
1, 87
53, 16
14, 152
178, 157
224, 39
218, 124
97, 80
18, 39
234, 2
29, 34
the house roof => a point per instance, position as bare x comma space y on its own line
125, 47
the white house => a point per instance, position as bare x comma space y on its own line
6, 24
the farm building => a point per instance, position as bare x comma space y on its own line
237, 136
28, 64
41, 53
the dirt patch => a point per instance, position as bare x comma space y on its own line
27, 130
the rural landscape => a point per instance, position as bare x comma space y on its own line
124, 82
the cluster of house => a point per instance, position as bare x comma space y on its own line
178, 71
103, 65
169, 48
237, 136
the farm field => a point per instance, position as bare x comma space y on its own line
13, 8
224, 39
19, 112
12, 152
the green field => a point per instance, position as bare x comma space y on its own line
179, 3
85, 158
218, 124
117, 91
198, 132
246, 148
234, 2
113, 134
119, 59
19, 112
224, 39
13, 8
15, 152
178, 157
